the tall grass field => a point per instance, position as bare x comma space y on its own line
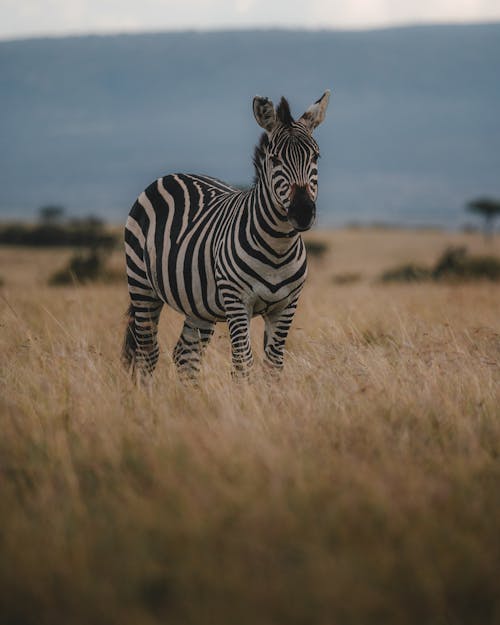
361, 487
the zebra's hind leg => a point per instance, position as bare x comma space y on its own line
191, 346
140, 347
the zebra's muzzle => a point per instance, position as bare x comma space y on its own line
302, 210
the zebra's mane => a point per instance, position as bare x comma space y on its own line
285, 117
259, 153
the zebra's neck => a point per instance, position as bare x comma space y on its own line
269, 226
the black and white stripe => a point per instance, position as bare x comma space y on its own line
216, 253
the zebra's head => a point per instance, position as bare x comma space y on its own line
287, 157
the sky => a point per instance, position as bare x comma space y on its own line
26, 18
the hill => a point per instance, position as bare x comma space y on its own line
412, 132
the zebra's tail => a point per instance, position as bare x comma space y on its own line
129, 341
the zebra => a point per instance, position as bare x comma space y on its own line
217, 253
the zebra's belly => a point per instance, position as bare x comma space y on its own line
184, 280
191, 288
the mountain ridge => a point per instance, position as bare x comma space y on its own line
412, 131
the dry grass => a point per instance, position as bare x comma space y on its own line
362, 488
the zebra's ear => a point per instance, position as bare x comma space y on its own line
315, 114
263, 110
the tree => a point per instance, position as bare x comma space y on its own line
51, 214
489, 209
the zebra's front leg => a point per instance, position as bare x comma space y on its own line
238, 320
191, 346
275, 335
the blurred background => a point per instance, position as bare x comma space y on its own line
98, 99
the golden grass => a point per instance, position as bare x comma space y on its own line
362, 488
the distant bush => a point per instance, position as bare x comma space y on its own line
80, 268
454, 264
346, 278
88, 232
85, 267
483, 267
406, 273
316, 248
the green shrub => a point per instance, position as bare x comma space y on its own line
455, 264
81, 268
487, 267
406, 273
452, 263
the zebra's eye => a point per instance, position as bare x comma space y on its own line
275, 161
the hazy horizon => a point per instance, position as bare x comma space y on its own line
250, 28
40, 18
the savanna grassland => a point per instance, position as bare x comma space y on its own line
362, 487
